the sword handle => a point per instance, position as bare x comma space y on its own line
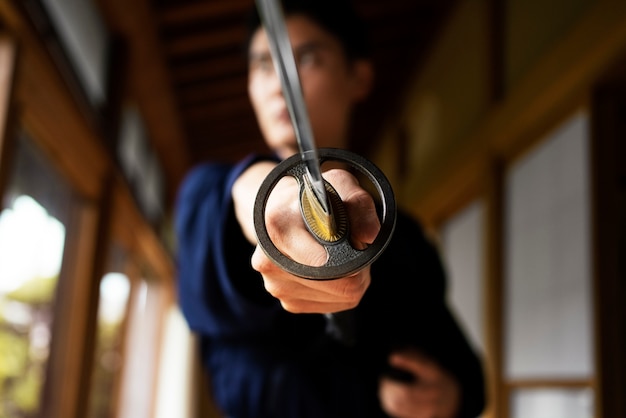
343, 259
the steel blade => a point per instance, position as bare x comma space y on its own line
273, 20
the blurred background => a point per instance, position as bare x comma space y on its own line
500, 124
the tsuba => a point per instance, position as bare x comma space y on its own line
343, 259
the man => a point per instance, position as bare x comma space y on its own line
264, 339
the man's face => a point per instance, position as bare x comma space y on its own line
329, 83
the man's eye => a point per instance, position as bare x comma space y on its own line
307, 58
262, 65
266, 65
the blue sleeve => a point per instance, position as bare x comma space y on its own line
244, 334
209, 297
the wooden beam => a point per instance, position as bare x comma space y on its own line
219, 110
608, 174
63, 390
54, 119
7, 70
244, 128
130, 227
209, 67
212, 91
99, 266
150, 84
552, 90
554, 383
205, 41
493, 291
181, 14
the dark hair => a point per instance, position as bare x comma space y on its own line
338, 17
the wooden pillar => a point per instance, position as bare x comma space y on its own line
494, 286
7, 71
66, 392
608, 164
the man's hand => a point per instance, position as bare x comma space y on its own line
434, 393
288, 232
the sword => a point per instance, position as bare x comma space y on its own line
317, 208
322, 209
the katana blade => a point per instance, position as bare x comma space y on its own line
273, 20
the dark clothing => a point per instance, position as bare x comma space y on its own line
266, 362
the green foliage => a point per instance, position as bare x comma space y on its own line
13, 355
27, 390
21, 376
37, 291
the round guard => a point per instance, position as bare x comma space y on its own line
343, 259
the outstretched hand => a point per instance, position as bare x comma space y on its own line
288, 232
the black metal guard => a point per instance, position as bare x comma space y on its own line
343, 259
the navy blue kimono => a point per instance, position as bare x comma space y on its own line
265, 362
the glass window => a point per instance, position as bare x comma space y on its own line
85, 37
462, 250
108, 358
140, 165
552, 403
32, 239
176, 383
141, 360
548, 304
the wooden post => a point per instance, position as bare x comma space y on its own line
494, 282
608, 165
7, 70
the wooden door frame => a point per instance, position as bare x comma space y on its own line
608, 176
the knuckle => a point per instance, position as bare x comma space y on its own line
351, 289
291, 307
274, 289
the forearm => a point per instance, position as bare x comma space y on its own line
244, 193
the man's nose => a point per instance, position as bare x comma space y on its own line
273, 85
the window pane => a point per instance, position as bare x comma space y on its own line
175, 386
462, 250
552, 403
112, 313
140, 165
32, 239
141, 350
548, 314
84, 35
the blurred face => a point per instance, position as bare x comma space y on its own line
330, 84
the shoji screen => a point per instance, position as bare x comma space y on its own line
462, 251
548, 335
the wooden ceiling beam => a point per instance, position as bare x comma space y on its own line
209, 67
240, 141
211, 91
218, 111
205, 41
231, 153
245, 126
150, 84
182, 14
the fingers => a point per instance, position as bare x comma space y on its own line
290, 236
286, 228
300, 295
434, 393
288, 232
416, 364
407, 400
364, 222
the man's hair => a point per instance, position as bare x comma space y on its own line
337, 17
